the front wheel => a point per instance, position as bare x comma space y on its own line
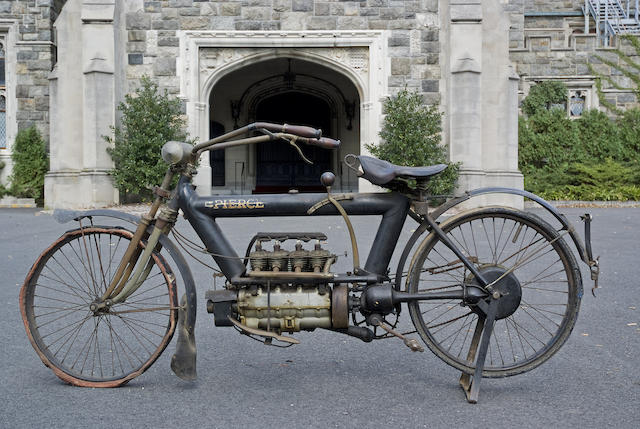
538, 277
105, 348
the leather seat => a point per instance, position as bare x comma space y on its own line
381, 172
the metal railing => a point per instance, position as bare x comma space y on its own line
613, 17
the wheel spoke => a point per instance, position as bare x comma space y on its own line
104, 348
534, 262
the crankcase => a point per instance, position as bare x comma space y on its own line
286, 308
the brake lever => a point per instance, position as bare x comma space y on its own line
292, 142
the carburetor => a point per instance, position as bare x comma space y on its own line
287, 303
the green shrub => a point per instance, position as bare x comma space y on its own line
3, 189
543, 96
546, 138
607, 181
590, 158
149, 120
628, 126
597, 138
30, 164
411, 137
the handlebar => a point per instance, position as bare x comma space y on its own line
307, 135
323, 142
297, 130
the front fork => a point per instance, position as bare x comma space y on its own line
124, 283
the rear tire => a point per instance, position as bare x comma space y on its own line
530, 328
90, 349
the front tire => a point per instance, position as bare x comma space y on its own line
82, 347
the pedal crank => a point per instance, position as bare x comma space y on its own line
413, 345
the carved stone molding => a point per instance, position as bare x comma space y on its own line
204, 53
207, 56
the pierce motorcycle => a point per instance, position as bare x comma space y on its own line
492, 291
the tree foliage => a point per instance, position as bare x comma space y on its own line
544, 96
30, 164
149, 120
411, 137
591, 158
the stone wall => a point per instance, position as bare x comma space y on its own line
552, 5
152, 43
555, 47
35, 56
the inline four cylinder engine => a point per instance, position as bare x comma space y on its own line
280, 300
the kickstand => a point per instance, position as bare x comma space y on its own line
484, 327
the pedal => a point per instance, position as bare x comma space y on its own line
268, 336
413, 345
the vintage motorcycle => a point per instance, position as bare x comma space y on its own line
492, 291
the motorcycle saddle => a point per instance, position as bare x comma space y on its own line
381, 172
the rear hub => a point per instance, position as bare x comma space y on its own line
508, 287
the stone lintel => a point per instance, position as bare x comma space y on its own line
466, 11
34, 43
98, 11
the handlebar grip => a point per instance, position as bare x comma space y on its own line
297, 130
302, 131
323, 142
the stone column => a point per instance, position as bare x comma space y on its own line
98, 99
61, 185
82, 107
200, 125
481, 98
500, 101
466, 120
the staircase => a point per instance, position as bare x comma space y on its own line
613, 17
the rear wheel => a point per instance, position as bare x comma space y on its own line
105, 348
538, 278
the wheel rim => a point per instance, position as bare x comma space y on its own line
95, 348
536, 264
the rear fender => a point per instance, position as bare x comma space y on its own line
583, 252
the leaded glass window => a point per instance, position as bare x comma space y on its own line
577, 101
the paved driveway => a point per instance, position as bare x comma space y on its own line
330, 380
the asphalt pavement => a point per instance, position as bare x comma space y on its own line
331, 380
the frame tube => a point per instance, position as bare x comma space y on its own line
202, 212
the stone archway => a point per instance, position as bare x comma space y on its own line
207, 58
286, 90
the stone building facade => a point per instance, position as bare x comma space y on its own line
554, 40
69, 63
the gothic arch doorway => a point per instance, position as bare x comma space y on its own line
293, 91
279, 166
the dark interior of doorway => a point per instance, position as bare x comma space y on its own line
279, 166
